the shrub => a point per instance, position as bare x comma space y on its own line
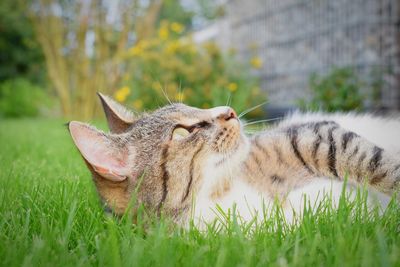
20, 98
198, 75
339, 90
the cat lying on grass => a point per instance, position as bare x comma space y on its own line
183, 161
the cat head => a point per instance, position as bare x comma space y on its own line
166, 151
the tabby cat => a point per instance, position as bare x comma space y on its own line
183, 161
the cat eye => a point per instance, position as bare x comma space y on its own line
197, 126
203, 124
180, 133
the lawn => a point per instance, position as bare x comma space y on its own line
50, 216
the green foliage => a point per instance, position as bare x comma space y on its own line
210, 9
198, 75
197, 12
174, 11
20, 55
339, 90
50, 215
20, 98
377, 83
21, 63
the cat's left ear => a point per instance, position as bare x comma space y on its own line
118, 117
105, 154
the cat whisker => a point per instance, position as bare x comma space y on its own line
161, 87
251, 109
251, 132
165, 94
228, 102
180, 92
260, 121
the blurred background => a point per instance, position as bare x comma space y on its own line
340, 55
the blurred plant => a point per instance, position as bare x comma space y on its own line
20, 53
20, 98
83, 45
256, 62
377, 82
199, 75
122, 94
210, 9
173, 10
339, 90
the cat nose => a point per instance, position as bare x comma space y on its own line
223, 113
227, 115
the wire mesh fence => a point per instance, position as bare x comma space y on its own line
296, 38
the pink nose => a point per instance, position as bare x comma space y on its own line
227, 115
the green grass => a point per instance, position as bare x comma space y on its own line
51, 216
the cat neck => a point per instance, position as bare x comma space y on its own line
225, 182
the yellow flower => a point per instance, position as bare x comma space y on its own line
135, 50
256, 62
177, 27
122, 94
138, 104
172, 47
163, 33
232, 87
126, 90
180, 96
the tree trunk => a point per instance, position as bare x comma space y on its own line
75, 74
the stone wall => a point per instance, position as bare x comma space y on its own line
296, 38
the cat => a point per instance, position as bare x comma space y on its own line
183, 161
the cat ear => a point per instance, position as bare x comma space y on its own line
101, 152
119, 118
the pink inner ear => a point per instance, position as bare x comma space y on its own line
99, 151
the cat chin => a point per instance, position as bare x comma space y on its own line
233, 158
224, 165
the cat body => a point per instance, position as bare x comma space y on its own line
185, 162
272, 169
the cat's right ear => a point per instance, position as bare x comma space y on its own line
103, 153
118, 117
